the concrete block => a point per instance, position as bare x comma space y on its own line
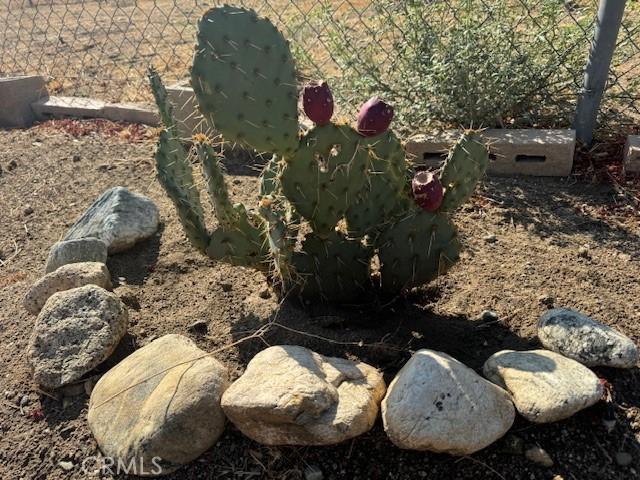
512, 152
16, 96
56, 107
185, 111
632, 154
132, 113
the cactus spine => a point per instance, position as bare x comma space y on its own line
348, 191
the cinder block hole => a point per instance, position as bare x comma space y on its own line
434, 156
531, 158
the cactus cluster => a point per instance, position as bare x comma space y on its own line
336, 218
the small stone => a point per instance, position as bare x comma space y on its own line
76, 251
545, 386
199, 326
489, 316
75, 331
490, 238
24, 400
119, 217
289, 395
163, 400
66, 466
585, 340
538, 455
226, 287
583, 252
436, 403
66, 277
28, 211
12, 165
76, 158
9, 394
624, 459
313, 473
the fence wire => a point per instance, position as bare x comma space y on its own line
502, 62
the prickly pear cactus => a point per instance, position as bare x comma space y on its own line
336, 219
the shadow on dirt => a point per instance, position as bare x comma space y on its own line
135, 264
558, 208
383, 338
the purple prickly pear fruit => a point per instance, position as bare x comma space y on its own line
427, 191
317, 102
374, 117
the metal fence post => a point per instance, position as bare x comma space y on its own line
595, 77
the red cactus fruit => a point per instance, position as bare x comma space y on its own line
374, 117
317, 102
427, 191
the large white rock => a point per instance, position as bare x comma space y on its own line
581, 338
290, 395
69, 276
75, 331
73, 251
119, 218
436, 403
544, 385
159, 406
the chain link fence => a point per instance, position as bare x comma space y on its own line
460, 62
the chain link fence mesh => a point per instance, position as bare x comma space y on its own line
516, 62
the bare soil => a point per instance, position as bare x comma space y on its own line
536, 262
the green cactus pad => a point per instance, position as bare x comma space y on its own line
326, 174
464, 167
243, 244
269, 184
415, 250
386, 186
281, 240
333, 269
244, 78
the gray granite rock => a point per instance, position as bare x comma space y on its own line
88, 249
545, 386
581, 338
290, 395
118, 217
75, 331
69, 276
436, 403
162, 402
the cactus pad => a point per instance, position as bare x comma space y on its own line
465, 165
386, 184
325, 176
334, 268
415, 250
244, 78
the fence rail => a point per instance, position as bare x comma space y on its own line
489, 62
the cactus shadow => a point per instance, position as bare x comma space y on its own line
384, 338
557, 209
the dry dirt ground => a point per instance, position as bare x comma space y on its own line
49, 177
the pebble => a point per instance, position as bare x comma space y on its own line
538, 455
24, 400
76, 158
226, 287
624, 459
491, 238
28, 211
313, 473
489, 316
583, 252
199, 326
66, 466
9, 394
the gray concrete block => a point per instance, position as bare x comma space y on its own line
632, 154
185, 111
132, 113
56, 107
16, 96
512, 152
